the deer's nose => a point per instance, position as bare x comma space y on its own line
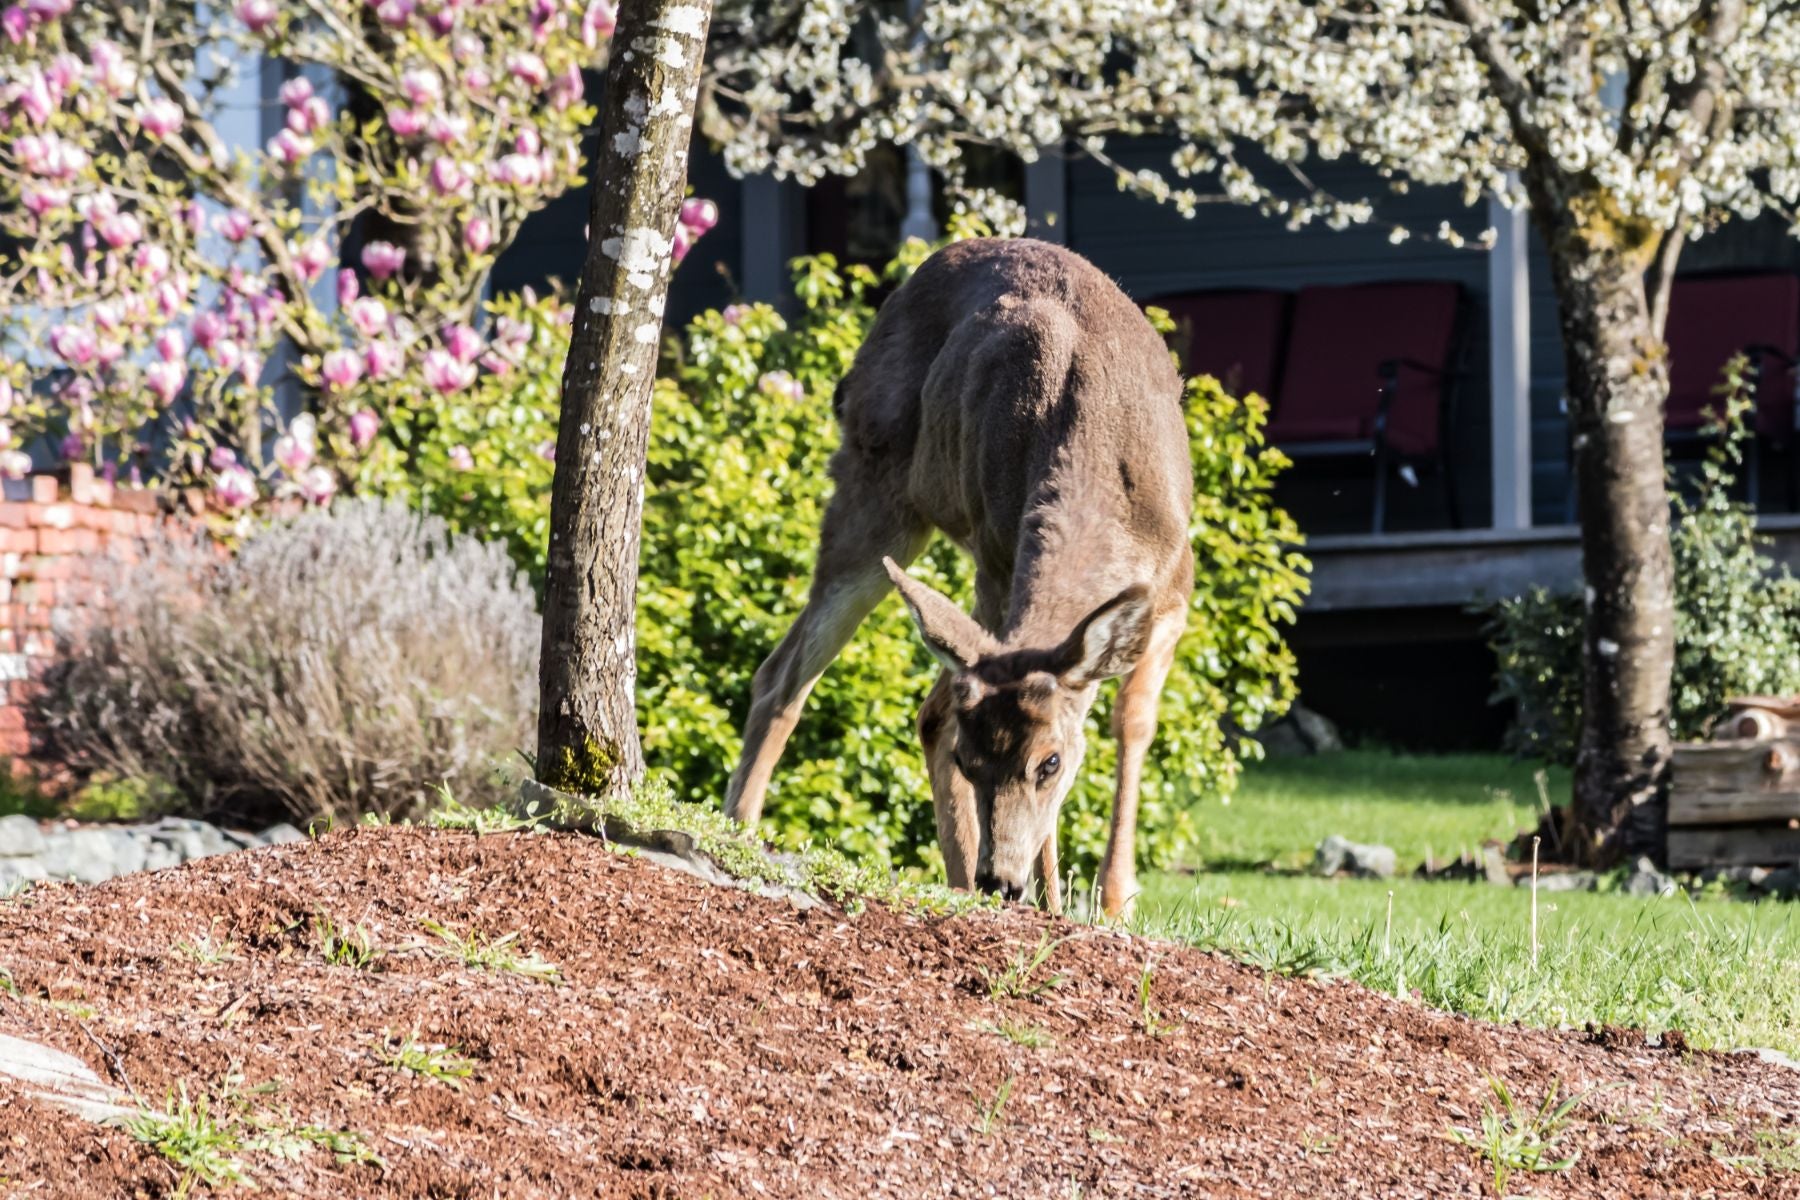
994, 886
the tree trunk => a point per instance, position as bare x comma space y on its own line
1618, 386
587, 718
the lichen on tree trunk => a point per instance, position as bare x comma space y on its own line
587, 720
1618, 386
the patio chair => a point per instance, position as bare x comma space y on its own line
1235, 336
1713, 317
1372, 370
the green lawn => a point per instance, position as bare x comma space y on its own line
1722, 971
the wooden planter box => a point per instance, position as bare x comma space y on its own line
1735, 801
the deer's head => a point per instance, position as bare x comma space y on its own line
1019, 713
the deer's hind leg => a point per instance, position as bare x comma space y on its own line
864, 522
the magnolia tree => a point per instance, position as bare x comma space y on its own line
152, 268
1627, 126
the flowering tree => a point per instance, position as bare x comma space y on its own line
1627, 127
151, 269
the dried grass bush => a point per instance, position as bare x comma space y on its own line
341, 663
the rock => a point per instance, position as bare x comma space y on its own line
189, 839
1335, 855
240, 839
1565, 881
90, 855
1493, 866
1301, 732
1646, 880
17, 874
19, 836
63, 1080
280, 835
159, 855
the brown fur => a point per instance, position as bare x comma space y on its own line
1012, 396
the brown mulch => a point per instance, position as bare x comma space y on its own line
708, 1043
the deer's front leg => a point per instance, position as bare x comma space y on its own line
1134, 724
952, 796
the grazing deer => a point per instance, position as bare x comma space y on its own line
1010, 395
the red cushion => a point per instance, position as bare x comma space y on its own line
1234, 336
1340, 337
1714, 317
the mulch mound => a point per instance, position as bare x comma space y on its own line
704, 1042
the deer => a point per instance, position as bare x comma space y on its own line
1011, 396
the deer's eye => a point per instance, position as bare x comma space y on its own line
1047, 768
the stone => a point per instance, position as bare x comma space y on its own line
1336, 855
159, 855
1493, 866
280, 835
88, 855
1646, 880
17, 874
1565, 881
63, 1080
20, 836
1300, 732
240, 839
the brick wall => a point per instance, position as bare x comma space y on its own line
51, 528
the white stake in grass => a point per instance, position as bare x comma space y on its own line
1534, 877
1387, 934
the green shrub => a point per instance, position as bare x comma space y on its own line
741, 435
1737, 615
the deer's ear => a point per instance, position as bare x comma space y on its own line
1108, 641
952, 635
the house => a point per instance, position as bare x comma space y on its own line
1388, 643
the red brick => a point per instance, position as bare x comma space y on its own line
37, 616
14, 515
23, 691
43, 489
92, 516
103, 493
36, 591
51, 566
20, 541
137, 500
15, 743
12, 719
68, 541
81, 483
53, 516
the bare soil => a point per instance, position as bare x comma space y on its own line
706, 1042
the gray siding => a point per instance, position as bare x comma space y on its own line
1152, 249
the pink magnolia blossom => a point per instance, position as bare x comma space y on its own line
461, 459
318, 485
169, 297
296, 91
496, 364
521, 170
112, 71
160, 117
478, 234
47, 10
15, 464
476, 80
296, 449
234, 488
171, 346
41, 200
6, 396
448, 177
312, 257
734, 314
257, 15
546, 450
17, 23
422, 87
341, 369
208, 328
463, 342
467, 47
443, 372
382, 359
527, 68
34, 98
221, 457
528, 141
406, 122
64, 72
447, 130
368, 316
152, 260
309, 117
443, 20
74, 344
289, 147
348, 287
700, 215
395, 12
364, 424
235, 225
683, 242
598, 22
110, 352
165, 378
6, 436
567, 87
228, 354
